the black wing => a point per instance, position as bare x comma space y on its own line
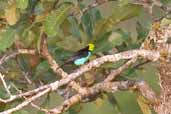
80, 53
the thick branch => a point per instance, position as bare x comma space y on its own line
93, 64
141, 86
151, 55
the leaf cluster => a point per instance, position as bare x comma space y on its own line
113, 27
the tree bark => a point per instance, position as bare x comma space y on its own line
165, 83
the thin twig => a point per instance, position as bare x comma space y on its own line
32, 104
26, 94
13, 54
26, 76
25, 103
114, 73
5, 85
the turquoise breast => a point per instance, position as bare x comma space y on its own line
82, 60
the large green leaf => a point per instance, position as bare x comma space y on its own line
3, 93
100, 106
112, 100
61, 54
102, 44
44, 73
7, 37
3, 5
89, 19
122, 13
75, 2
141, 31
22, 112
119, 14
55, 19
69, 43
124, 98
166, 1
74, 27
110, 40
22, 4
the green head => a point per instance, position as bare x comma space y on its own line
91, 47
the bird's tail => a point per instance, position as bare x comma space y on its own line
67, 62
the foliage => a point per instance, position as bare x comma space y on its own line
112, 27
7, 37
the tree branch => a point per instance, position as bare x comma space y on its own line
151, 55
141, 86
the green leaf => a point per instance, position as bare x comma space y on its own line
124, 2
102, 44
112, 100
75, 2
44, 73
42, 67
100, 106
3, 5
113, 65
75, 109
22, 4
61, 55
166, 1
22, 112
89, 19
119, 14
69, 43
74, 27
3, 93
142, 32
7, 38
124, 98
144, 105
125, 12
55, 19
110, 40
118, 37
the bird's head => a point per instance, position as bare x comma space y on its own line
91, 47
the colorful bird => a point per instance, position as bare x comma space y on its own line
81, 56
